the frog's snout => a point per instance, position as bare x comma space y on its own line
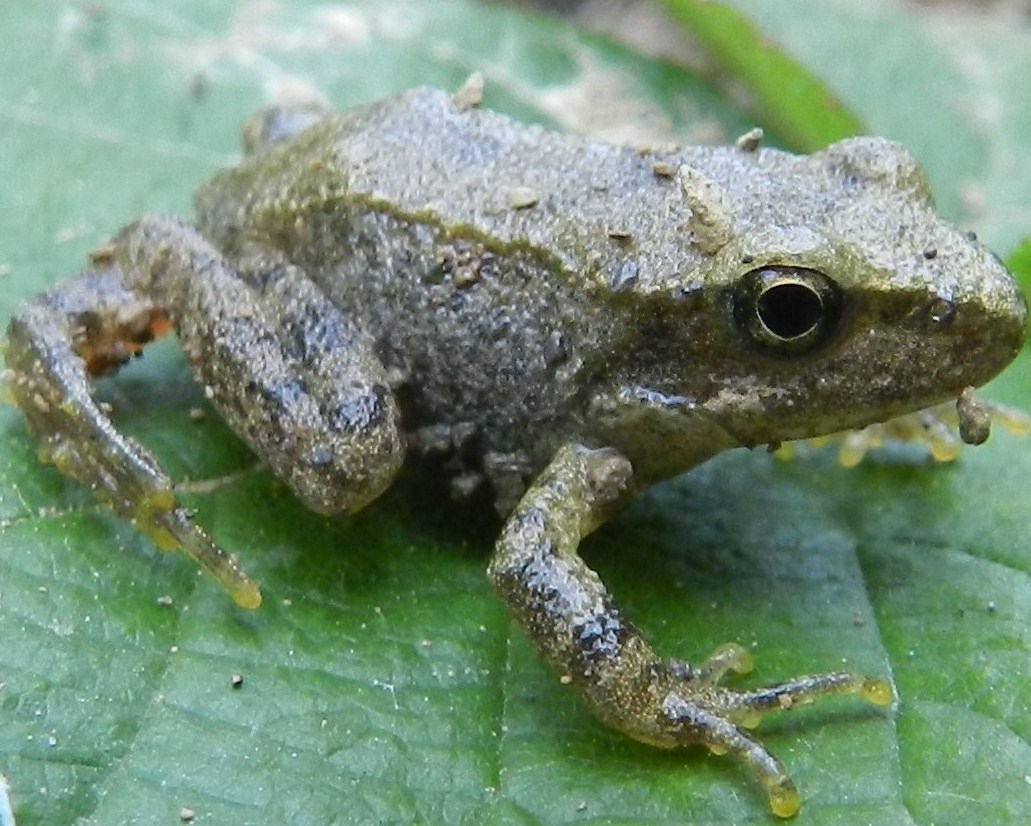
1021, 315
998, 313
1020, 325
1007, 309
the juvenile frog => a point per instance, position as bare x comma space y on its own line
570, 321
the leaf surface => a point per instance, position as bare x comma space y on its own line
382, 681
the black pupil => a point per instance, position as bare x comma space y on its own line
790, 310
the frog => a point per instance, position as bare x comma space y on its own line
564, 321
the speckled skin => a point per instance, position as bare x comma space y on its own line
419, 275
598, 289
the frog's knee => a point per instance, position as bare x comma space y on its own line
348, 457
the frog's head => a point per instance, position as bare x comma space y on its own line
861, 305
841, 300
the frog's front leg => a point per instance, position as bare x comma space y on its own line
576, 626
288, 371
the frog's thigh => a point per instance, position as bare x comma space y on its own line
288, 371
575, 625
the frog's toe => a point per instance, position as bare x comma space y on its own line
695, 721
941, 430
727, 657
176, 524
695, 710
746, 706
783, 797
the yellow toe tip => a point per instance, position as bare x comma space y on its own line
784, 799
247, 595
877, 691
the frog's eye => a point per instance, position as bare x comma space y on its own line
787, 309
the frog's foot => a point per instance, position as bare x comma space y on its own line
577, 627
694, 709
90, 326
942, 430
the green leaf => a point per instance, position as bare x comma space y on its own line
802, 111
1019, 262
951, 85
382, 682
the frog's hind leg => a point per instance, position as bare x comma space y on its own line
578, 628
88, 326
294, 377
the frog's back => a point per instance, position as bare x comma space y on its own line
467, 172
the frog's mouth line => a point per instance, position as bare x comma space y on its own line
731, 438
